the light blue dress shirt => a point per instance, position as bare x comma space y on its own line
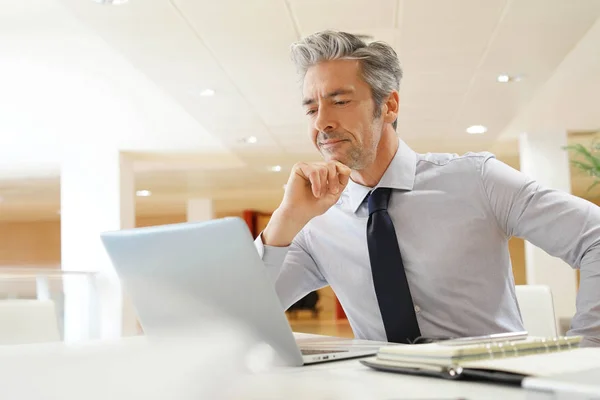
453, 217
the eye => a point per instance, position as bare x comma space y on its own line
341, 102
311, 112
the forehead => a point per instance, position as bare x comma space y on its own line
329, 75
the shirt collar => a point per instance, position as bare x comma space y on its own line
400, 174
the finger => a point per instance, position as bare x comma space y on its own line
343, 174
323, 177
332, 180
315, 182
343, 179
343, 169
301, 169
309, 174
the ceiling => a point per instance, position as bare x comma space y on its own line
75, 73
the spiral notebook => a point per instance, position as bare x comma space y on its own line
504, 361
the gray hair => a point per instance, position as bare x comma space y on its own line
379, 62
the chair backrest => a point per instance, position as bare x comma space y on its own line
537, 309
28, 321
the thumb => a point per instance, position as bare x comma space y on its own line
343, 174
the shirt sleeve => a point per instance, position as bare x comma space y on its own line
559, 223
292, 269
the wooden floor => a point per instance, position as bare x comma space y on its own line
305, 322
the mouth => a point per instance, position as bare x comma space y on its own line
332, 142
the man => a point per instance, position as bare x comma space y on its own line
413, 245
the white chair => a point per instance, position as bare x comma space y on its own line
537, 309
28, 321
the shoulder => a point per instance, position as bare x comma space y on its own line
471, 162
444, 159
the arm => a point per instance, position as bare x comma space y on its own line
291, 269
561, 224
311, 190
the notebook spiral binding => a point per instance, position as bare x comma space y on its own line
510, 349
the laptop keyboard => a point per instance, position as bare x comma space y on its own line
310, 352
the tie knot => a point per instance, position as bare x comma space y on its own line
378, 199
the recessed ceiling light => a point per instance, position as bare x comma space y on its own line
207, 93
250, 139
143, 193
476, 129
276, 168
111, 2
504, 78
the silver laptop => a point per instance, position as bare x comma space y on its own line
216, 264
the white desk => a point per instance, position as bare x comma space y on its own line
348, 379
129, 369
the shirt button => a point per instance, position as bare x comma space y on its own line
417, 309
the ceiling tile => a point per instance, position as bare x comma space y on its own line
537, 34
254, 52
533, 40
351, 16
434, 25
446, 35
294, 130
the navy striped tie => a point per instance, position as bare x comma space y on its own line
389, 278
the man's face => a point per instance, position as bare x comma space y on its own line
340, 108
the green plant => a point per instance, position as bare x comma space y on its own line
589, 160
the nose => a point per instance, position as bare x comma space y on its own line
324, 122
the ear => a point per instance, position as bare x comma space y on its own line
390, 107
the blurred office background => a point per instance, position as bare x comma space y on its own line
116, 114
